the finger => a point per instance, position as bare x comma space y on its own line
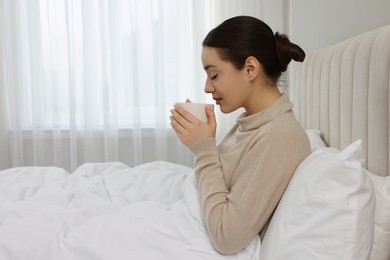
184, 117
176, 126
179, 119
188, 100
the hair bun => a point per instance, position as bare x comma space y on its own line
287, 51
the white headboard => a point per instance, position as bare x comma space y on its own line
343, 90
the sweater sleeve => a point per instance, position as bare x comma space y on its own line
235, 217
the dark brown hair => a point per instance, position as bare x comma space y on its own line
243, 36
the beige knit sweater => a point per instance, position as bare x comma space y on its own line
241, 180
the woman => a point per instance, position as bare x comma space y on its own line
241, 180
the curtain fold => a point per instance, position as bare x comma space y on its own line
93, 81
4, 143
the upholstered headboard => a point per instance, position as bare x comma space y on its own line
343, 90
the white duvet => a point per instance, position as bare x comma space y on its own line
105, 211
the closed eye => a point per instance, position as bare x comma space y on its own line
214, 77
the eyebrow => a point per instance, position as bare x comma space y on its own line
208, 66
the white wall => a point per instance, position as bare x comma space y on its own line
274, 13
314, 24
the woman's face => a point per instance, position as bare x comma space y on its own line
228, 85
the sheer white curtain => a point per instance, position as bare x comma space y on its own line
93, 80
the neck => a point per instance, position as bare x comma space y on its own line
263, 97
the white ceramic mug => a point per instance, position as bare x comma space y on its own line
197, 109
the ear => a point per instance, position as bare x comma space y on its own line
252, 67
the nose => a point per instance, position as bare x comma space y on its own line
208, 87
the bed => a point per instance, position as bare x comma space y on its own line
337, 205
330, 210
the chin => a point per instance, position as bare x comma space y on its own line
227, 110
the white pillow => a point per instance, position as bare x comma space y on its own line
381, 246
315, 139
327, 211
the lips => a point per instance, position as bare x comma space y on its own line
217, 100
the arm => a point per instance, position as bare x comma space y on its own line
235, 217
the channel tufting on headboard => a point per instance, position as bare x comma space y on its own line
343, 91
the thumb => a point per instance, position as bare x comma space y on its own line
210, 115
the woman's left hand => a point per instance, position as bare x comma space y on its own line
189, 128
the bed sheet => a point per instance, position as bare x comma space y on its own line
105, 211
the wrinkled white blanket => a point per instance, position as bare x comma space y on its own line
105, 211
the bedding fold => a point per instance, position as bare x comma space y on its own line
105, 211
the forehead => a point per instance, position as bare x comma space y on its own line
210, 57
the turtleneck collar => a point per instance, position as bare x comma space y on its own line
248, 123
